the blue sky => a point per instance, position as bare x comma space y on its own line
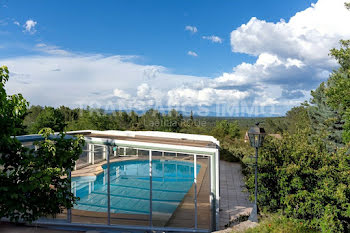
138, 54
151, 29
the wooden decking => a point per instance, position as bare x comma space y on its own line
184, 215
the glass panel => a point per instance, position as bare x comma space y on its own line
130, 185
173, 190
89, 183
83, 158
122, 151
98, 153
92, 191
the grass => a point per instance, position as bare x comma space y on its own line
280, 224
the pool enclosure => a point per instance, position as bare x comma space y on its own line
142, 181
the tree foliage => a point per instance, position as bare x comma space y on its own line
49, 118
299, 176
223, 129
325, 120
338, 91
13, 109
297, 118
34, 183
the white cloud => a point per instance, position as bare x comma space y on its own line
91, 79
205, 96
143, 90
193, 54
192, 29
307, 36
51, 49
120, 94
29, 26
214, 39
292, 57
16, 23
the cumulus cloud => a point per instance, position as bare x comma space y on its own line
193, 54
214, 39
192, 29
16, 23
307, 36
120, 94
292, 56
29, 26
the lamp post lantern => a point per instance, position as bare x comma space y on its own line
256, 136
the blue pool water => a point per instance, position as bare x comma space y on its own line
130, 187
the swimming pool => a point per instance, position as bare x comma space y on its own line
130, 187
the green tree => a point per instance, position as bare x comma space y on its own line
31, 117
338, 91
297, 118
172, 121
191, 119
51, 118
134, 120
84, 121
69, 114
151, 120
225, 129
124, 120
33, 183
275, 125
326, 121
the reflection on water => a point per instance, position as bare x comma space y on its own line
130, 187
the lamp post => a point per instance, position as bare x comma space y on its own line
256, 136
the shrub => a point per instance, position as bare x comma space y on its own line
299, 176
278, 224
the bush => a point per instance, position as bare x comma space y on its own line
299, 176
278, 224
235, 150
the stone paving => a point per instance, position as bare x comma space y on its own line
233, 201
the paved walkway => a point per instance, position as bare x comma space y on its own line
233, 201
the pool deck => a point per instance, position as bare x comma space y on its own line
184, 215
